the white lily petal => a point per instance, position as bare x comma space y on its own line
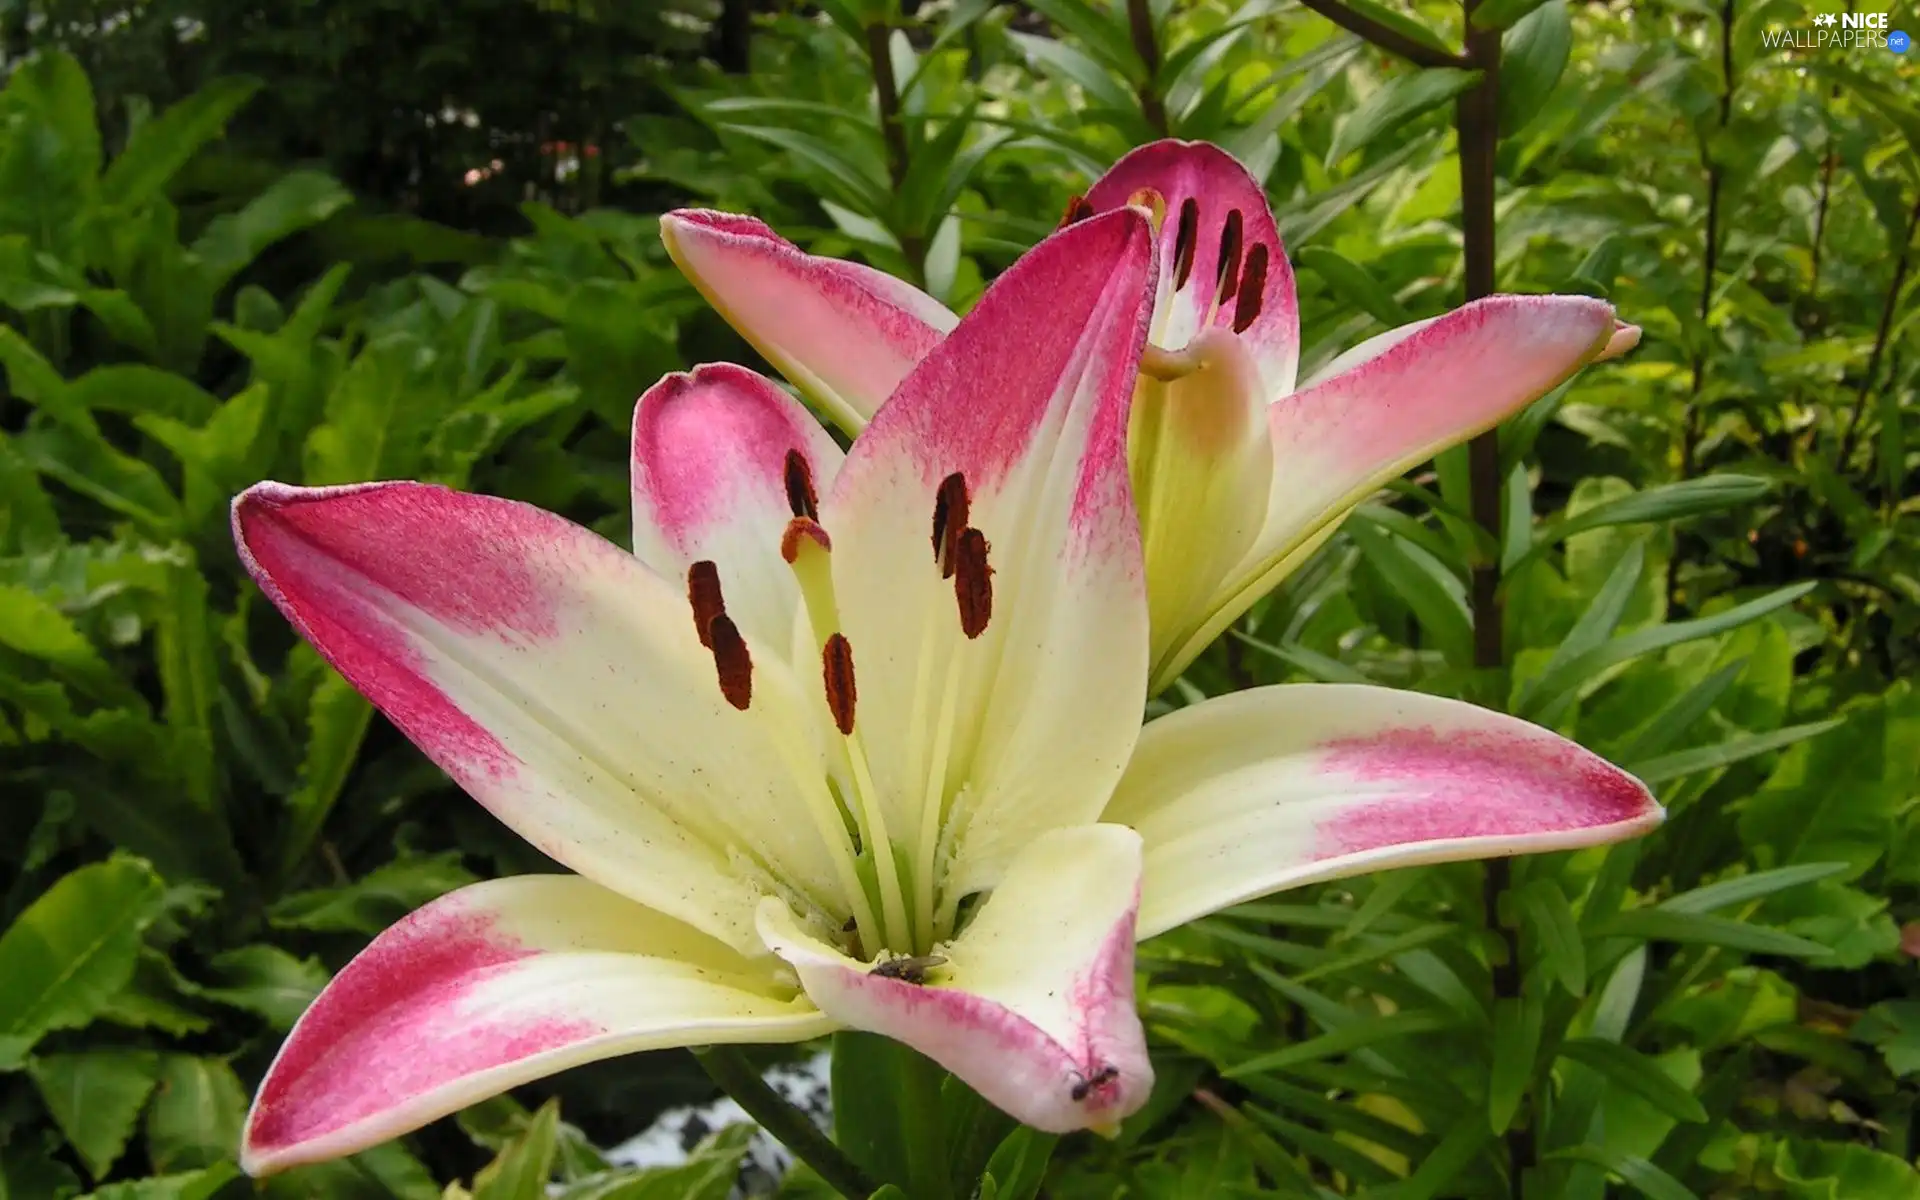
492, 986
1033, 1007
715, 455
843, 333
1202, 469
1230, 214
1276, 787
1401, 398
556, 679
1024, 725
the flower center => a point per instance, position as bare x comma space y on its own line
1239, 285
891, 884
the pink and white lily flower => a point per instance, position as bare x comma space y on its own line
849, 741
1240, 470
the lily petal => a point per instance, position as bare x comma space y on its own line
489, 987
712, 470
1219, 187
1396, 401
1625, 337
1277, 787
845, 334
1033, 660
1034, 1005
1201, 465
555, 678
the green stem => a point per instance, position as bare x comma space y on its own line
726, 1066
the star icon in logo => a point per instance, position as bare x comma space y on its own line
1823, 19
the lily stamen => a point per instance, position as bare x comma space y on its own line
1232, 237
950, 512
1253, 288
703, 593
836, 670
732, 661
1185, 239
973, 582
801, 496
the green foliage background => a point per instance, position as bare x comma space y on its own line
384, 238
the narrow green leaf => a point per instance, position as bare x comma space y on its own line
1545, 912
1733, 750
1367, 1031
1532, 60
1443, 1166
1743, 888
1100, 28
1400, 101
1307, 662
1678, 714
1019, 1166
1666, 502
1694, 929
1516, 1047
1398, 19
1636, 1172
1501, 14
1636, 1073
1354, 284
1435, 595
1596, 624
1557, 688
521, 1171
1068, 64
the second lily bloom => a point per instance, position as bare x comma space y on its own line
1239, 469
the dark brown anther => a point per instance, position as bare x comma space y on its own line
1080, 1091
950, 511
703, 592
1184, 240
799, 529
1230, 238
836, 671
731, 659
801, 498
1253, 288
973, 582
1077, 210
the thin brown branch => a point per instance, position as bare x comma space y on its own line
1147, 46
1477, 116
894, 132
1887, 308
1693, 424
880, 54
